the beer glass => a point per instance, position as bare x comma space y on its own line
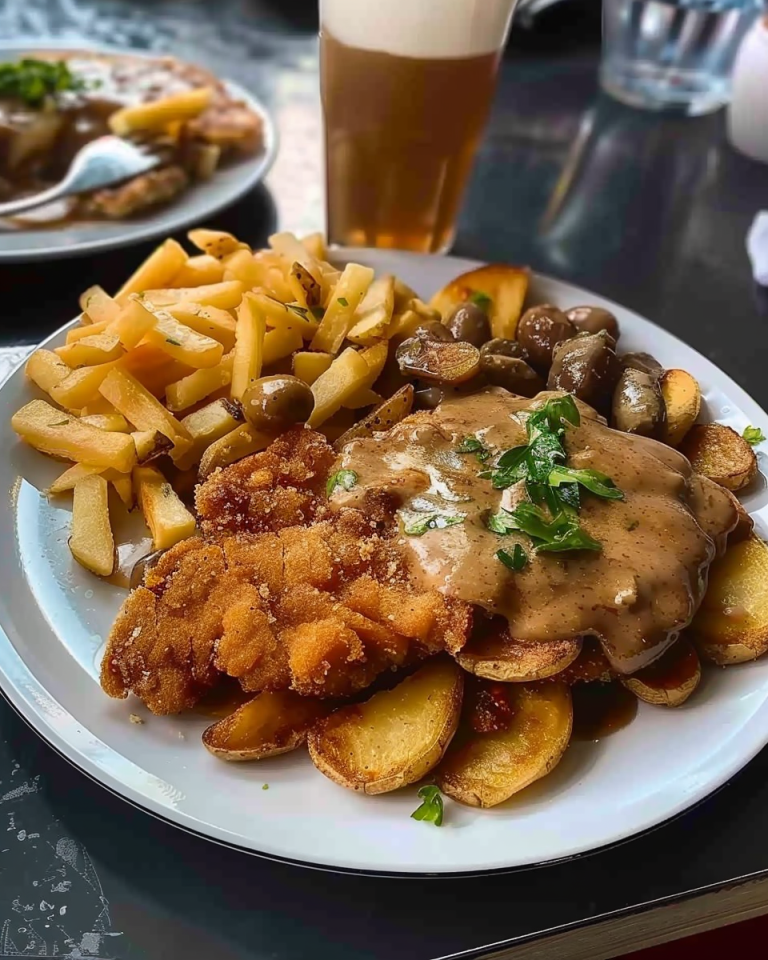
406, 86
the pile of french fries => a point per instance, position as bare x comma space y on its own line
156, 372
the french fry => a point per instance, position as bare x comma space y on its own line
123, 485
72, 475
340, 313
272, 275
90, 540
374, 314
139, 407
203, 269
241, 266
291, 314
154, 368
375, 356
149, 445
166, 516
156, 116
134, 321
363, 397
61, 435
314, 243
207, 425
97, 406
115, 422
307, 290
225, 295
81, 387
404, 325
46, 370
98, 305
208, 321
348, 372
279, 343
90, 351
241, 442
249, 346
199, 385
182, 342
308, 365
160, 267
77, 333
292, 250
215, 243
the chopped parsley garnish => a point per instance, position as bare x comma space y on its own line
515, 560
753, 435
35, 81
346, 479
173, 342
318, 312
480, 299
474, 445
419, 525
297, 309
265, 786
431, 808
343, 301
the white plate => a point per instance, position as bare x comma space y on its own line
54, 615
193, 206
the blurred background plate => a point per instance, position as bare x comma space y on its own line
193, 206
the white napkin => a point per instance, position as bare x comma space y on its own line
757, 247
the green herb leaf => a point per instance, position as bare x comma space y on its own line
265, 786
170, 340
343, 301
502, 522
753, 435
59, 423
556, 535
418, 526
474, 445
297, 309
431, 808
480, 299
318, 312
346, 479
35, 81
592, 480
515, 560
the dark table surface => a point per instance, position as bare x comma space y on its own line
650, 211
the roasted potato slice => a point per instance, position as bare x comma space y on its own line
90, 538
272, 723
386, 415
488, 768
497, 656
396, 737
731, 625
718, 452
671, 679
503, 285
682, 398
591, 665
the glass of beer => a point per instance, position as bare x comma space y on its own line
407, 87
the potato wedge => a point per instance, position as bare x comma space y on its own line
682, 398
45, 369
496, 656
744, 525
208, 321
225, 295
374, 314
215, 243
149, 445
670, 680
344, 300
158, 270
504, 285
718, 452
143, 410
241, 442
199, 270
166, 516
396, 737
199, 385
249, 346
107, 421
100, 307
155, 116
274, 722
348, 372
90, 351
309, 365
90, 540
61, 435
731, 625
207, 425
81, 387
133, 322
488, 768
386, 415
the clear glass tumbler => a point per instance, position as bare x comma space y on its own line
673, 55
406, 86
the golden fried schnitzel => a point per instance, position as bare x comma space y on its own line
279, 592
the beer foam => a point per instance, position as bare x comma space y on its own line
425, 29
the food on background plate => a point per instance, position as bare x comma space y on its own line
415, 527
54, 103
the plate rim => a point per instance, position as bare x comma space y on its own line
61, 730
165, 226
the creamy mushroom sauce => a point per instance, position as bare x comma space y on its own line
657, 543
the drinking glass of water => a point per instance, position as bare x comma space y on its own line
406, 88
673, 54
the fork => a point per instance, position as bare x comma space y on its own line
101, 162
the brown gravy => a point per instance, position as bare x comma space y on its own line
636, 595
600, 709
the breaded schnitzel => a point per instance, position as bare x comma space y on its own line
280, 592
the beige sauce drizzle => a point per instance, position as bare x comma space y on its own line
636, 595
